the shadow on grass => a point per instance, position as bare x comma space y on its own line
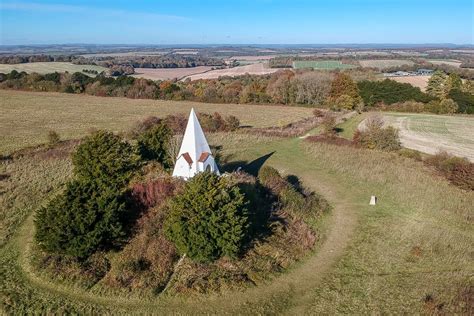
252, 167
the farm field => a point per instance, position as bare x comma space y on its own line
384, 63
450, 62
432, 133
254, 57
48, 67
408, 254
168, 73
135, 53
252, 69
416, 81
321, 65
26, 117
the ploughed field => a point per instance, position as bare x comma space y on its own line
431, 133
27, 117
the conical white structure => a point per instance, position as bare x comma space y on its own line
195, 155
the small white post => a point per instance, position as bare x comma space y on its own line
373, 200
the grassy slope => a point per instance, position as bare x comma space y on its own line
378, 272
348, 127
26, 117
49, 67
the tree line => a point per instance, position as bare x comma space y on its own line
335, 90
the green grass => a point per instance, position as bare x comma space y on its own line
49, 67
27, 117
369, 269
321, 64
348, 127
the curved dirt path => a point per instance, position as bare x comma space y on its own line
287, 293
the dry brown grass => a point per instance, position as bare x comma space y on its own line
27, 117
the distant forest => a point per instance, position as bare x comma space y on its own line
156, 61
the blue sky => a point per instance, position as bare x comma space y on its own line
236, 22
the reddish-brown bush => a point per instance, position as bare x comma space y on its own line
177, 123
459, 171
153, 193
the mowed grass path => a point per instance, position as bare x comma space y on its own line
49, 67
27, 117
431, 133
416, 243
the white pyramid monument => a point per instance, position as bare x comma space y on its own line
195, 155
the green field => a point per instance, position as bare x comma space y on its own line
48, 67
321, 64
407, 255
27, 117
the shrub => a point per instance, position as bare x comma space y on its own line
410, 153
464, 100
209, 219
406, 106
445, 106
53, 138
344, 102
106, 159
459, 171
232, 123
152, 144
328, 123
375, 136
144, 125
271, 178
152, 193
82, 220
176, 122
318, 113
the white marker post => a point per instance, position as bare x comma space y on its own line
373, 200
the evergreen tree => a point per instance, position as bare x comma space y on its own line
436, 84
453, 81
89, 215
106, 159
209, 219
153, 144
81, 220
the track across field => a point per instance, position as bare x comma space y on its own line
431, 133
